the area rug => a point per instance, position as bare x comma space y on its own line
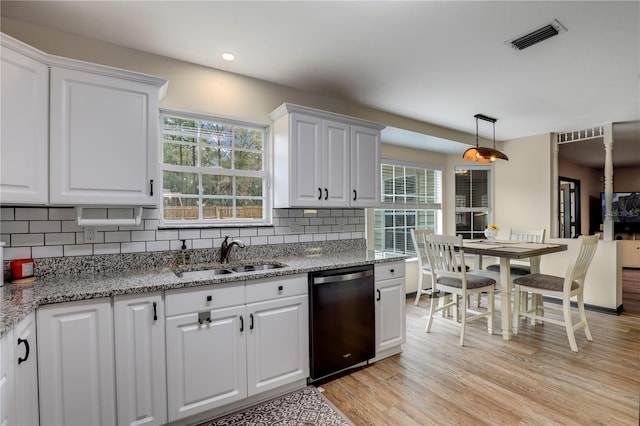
306, 406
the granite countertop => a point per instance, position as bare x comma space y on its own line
19, 300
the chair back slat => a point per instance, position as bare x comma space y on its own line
443, 257
577, 270
417, 236
527, 235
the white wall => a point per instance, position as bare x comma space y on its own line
603, 285
522, 197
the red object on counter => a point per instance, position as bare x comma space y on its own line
21, 268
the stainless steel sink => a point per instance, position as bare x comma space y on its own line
206, 273
203, 274
257, 267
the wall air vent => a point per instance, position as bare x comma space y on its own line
536, 36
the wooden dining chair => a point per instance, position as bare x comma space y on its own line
521, 267
564, 288
417, 236
450, 276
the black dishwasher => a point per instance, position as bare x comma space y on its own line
342, 319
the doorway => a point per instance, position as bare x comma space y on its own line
569, 208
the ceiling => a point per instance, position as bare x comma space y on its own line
439, 62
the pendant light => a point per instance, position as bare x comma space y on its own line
483, 154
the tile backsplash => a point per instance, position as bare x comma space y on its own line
52, 232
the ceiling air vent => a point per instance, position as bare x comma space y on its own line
536, 36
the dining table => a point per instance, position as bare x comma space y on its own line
506, 251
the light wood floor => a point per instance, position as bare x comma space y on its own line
534, 379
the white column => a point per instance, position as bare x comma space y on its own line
555, 215
608, 181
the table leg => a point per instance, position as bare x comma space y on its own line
505, 295
536, 300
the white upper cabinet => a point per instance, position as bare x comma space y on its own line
365, 166
75, 133
322, 159
24, 133
104, 138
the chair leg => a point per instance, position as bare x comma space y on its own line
419, 292
432, 307
583, 317
516, 309
479, 298
463, 320
566, 309
491, 304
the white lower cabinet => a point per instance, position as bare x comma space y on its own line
26, 371
19, 375
390, 308
278, 339
141, 383
7, 380
205, 360
76, 363
223, 347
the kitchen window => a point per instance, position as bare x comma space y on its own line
214, 171
412, 198
473, 200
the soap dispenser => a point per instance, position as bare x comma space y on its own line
181, 259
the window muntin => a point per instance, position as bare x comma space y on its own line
213, 171
473, 200
412, 197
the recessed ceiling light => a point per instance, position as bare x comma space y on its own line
228, 56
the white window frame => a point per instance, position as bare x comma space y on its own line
392, 208
476, 210
265, 174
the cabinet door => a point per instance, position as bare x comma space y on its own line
278, 343
75, 363
630, 257
206, 363
390, 314
335, 155
7, 380
141, 384
307, 188
365, 167
24, 134
26, 369
103, 139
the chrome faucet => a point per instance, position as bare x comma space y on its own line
225, 248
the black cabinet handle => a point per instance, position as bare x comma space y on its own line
155, 311
379, 295
319, 193
251, 324
355, 194
151, 185
280, 288
26, 347
209, 298
326, 194
241, 324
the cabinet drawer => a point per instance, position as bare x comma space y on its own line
386, 271
196, 299
277, 287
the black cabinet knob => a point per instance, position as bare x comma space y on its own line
280, 288
209, 298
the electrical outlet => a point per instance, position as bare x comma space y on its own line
90, 234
